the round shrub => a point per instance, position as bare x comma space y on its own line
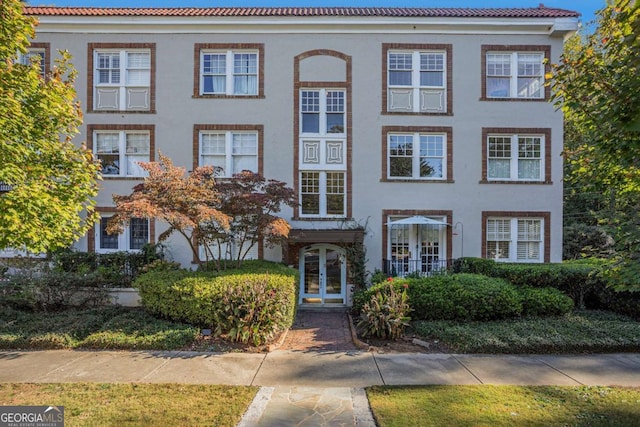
544, 302
247, 307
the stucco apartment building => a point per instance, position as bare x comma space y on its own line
425, 133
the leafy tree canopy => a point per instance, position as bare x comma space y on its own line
52, 182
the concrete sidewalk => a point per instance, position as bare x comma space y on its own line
303, 388
317, 369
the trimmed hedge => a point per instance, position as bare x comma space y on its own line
247, 307
473, 297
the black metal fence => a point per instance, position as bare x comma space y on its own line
416, 267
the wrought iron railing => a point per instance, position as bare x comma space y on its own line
416, 267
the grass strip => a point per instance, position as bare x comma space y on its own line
89, 404
495, 406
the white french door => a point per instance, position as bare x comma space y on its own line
323, 275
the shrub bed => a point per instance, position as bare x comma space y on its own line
247, 307
472, 297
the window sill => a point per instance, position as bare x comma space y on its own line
306, 218
212, 96
484, 181
121, 112
122, 178
411, 113
485, 98
418, 181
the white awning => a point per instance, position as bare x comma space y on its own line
418, 219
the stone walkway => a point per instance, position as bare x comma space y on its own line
319, 330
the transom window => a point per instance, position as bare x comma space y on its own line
322, 111
230, 151
134, 237
229, 72
417, 81
515, 157
322, 193
121, 152
122, 79
416, 156
515, 239
515, 75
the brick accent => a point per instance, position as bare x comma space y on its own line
546, 132
91, 234
485, 48
448, 131
199, 47
387, 213
148, 128
224, 127
447, 48
92, 47
297, 85
545, 216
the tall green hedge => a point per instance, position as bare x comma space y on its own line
246, 307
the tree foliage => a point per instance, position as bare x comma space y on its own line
52, 181
598, 87
183, 201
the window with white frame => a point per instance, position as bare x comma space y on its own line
231, 152
416, 156
515, 75
228, 72
133, 238
515, 239
417, 81
322, 157
515, 157
121, 152
122, 79
37, 55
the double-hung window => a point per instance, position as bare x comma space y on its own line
322, 156
229, 72
514, 74
515, 157
515, 239
417, 81
134, 237
417, 156
229, 151
122, 79
121, 152
37, 55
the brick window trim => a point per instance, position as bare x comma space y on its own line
448, 48
546, 132
387, 213
197, 128
91, 128
199, 47
545, 216
46, 47
91, 234
485, 48
448, 131
92, 47
347, 86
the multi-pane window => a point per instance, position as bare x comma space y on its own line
322, 111
322, 193
416, 81
228, 73
231, 152
122, 80
134, 237
417, 156
514, 239
515, 75
515, 157
35, 55
121, 152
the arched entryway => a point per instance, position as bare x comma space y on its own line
323, 275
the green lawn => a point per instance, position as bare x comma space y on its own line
495, 406
579, 332
92, 404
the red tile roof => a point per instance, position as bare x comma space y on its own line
538, 12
